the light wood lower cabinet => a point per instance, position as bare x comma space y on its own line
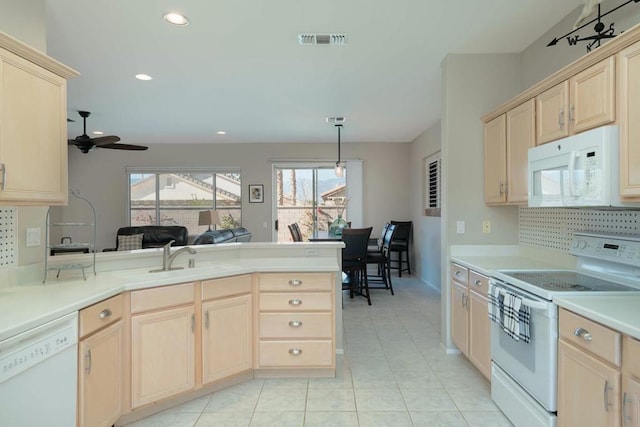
100, 377
296, 321
226, 337
630, 401
479, 333
162, 344
459, 317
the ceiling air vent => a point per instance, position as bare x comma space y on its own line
328, 39
335, 120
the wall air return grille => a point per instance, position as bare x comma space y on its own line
326, 39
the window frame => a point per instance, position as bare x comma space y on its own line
432, 195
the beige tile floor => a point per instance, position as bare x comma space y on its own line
393, 373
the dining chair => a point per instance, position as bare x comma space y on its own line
400, 245
354, 261
294, 229
382, 260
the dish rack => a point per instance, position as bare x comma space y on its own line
66, 244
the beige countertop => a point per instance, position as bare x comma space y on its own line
31, 304
485, 264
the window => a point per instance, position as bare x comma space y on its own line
175, 197
432, 173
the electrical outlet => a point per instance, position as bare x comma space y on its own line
486, 226
33, 237
460, 227
311, 252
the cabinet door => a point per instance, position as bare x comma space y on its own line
521, 136
629, 111
33, 132
630, 401
552, 120
227, 337
479, 333
588, 390
459, 317
592, 94
495, 161
162, 354
100, 368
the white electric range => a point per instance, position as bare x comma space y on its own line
524, 375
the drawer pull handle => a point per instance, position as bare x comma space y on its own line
295, 351
295, 323
295, 301
478, 282
583, 333
458, 273
105, 313
295, 282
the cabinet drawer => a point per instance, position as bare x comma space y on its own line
100, 315
631, 356
295, 353
296, 282
166, 296
478, 283
292, 301
459, 273
296, 325
591, 336
227, 286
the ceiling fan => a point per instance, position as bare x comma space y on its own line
85, 143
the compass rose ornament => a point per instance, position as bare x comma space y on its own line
602, 32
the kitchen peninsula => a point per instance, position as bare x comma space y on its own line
243, 310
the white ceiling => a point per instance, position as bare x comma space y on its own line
238, 67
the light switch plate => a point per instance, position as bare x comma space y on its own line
460, 227
33, 237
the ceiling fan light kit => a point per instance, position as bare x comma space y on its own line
85, 143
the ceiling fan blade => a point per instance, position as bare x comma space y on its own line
105, 140
123, 147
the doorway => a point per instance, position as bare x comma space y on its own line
311, 195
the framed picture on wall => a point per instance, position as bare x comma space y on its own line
256, 193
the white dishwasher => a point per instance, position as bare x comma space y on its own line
38, 375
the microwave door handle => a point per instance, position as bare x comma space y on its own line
573, 155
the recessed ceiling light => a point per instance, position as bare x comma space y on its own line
221, 132
143, 77
176, 19
98, 132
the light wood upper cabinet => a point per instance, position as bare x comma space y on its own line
520, 137
507, 140
33, 126
629, 112
585, 101
495, 161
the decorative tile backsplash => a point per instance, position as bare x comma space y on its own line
8, 219
553, 228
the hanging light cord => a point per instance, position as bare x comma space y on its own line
338, 162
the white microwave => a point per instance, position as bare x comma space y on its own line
578, 171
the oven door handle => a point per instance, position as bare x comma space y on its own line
536, 305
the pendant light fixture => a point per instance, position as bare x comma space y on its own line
339, 166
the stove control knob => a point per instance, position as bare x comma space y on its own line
579, 244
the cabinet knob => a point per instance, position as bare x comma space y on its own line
295, 351
295, 301
295, 323
295, 282
105, 313
583, 333
478, 282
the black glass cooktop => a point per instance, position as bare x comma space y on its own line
567, 281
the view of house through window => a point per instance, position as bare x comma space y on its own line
311, 196
176, 197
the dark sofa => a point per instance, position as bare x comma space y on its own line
226, 235
155, 236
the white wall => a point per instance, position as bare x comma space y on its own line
472, 86
100, 176
426, 249
25, 20
540, 61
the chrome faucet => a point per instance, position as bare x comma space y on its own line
168, 257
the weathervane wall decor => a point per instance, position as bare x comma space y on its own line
602, 31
